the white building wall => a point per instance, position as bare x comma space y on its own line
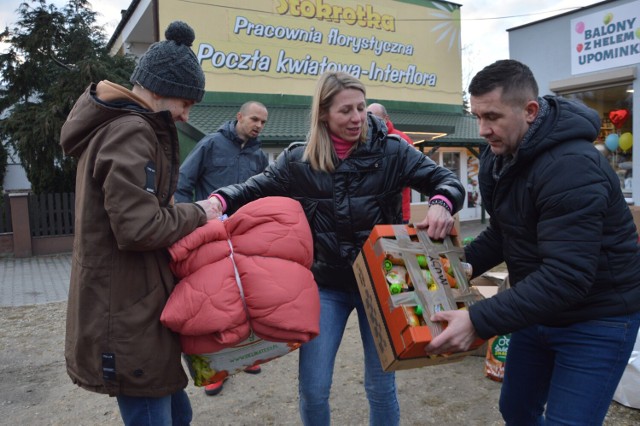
545, 47
15, 178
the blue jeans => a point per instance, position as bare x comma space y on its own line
574, 370
317, 359
171, 410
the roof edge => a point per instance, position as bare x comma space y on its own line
123, 21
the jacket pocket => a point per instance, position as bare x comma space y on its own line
136, 320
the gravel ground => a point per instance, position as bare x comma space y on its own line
35, 389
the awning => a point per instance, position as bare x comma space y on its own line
288, 124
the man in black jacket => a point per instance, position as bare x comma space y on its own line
560, 222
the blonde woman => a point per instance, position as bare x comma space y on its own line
348, 176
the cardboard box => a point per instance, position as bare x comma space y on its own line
399, 340
213, 367
490, 283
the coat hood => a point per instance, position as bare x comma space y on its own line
570, 120
228, 130
99, 105
377, 129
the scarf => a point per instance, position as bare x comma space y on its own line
341, 146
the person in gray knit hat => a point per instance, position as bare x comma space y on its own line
170, 68
127, 148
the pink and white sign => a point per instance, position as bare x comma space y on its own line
606, 39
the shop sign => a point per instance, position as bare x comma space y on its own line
399, 49
606, 39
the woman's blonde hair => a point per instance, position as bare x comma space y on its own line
319, 150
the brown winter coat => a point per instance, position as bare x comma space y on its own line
125, 219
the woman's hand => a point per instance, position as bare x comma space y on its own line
216, 205
212, 207
438, 222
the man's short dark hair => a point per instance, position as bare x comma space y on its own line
515, 78
245, 106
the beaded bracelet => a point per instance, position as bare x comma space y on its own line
440, 203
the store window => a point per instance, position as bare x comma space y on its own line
473, 190
451, 160
465, 165
615, 106
448, 159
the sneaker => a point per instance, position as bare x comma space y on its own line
214, 388
255, 369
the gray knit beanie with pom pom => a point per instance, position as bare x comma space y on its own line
170, 68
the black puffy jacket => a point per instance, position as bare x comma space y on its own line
561, 224
342, 207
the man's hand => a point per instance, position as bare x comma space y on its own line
438, 222
456, 337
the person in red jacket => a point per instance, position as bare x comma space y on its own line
381, 112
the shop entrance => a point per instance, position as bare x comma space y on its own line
615, 140
465, 165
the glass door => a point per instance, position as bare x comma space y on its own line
465, 166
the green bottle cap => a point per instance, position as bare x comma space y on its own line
395, 288
387, 265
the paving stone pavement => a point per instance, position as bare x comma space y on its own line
45, 279
34, 280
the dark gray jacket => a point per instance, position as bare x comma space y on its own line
342, 207
560, 221
219, 160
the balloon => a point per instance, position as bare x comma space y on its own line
580, 27
626, 141
618, 117
611, 142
